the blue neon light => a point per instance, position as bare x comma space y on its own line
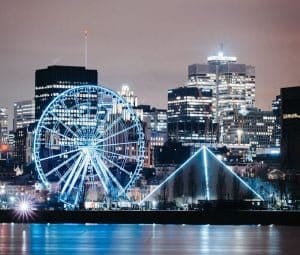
82, 138
205, 163
206, 172
171, 175
239, 178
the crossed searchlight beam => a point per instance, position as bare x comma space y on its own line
205, 152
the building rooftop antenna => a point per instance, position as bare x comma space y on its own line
85, 47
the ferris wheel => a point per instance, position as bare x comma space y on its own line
89, 137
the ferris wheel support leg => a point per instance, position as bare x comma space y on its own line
116, 165
75, 179
121, 189
80, 187
72, 172
99, 173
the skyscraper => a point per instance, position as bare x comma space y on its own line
23, 145
276, 109
3, 126
24, 114
232, 84
4, 148
290, 132
52, 81
190, 115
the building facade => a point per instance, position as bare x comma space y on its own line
24, 114
155, 130
214, 89
290, 132
251, 127
128, 94
276, 109
190, 115
23, 145
53, 80
154, 123
232, 84
3, 126
4, 147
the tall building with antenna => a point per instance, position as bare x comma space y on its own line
213, 90
232, 84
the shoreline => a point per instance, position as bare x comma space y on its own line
217, 217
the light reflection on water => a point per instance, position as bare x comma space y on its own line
75, 239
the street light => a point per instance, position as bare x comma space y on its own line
24, 208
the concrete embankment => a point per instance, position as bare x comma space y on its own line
217, 217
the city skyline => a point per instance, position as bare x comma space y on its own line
149, 127
153, 52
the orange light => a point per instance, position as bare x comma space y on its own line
4, 148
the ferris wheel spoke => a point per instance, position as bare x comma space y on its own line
70, 170
101, 175
116, 154
62, 103
62, 164
129, 184
57, 133
63, 124
80, 187
78, 172
100, 109
111, 125
116, 144
77, 129
116, 165
61, 144
115, 134
71, 174
113, 178
77, 103
60, 154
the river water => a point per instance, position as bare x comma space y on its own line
147, 239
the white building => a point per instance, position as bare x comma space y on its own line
24, 114
232, 84
3, 126
128, 94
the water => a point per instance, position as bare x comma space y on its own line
147, 239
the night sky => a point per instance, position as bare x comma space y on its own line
148, 44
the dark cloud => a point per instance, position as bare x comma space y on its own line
148, 44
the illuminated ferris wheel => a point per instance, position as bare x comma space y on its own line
87, 137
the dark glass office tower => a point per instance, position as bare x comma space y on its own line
290, 132
53, 80
190, 116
